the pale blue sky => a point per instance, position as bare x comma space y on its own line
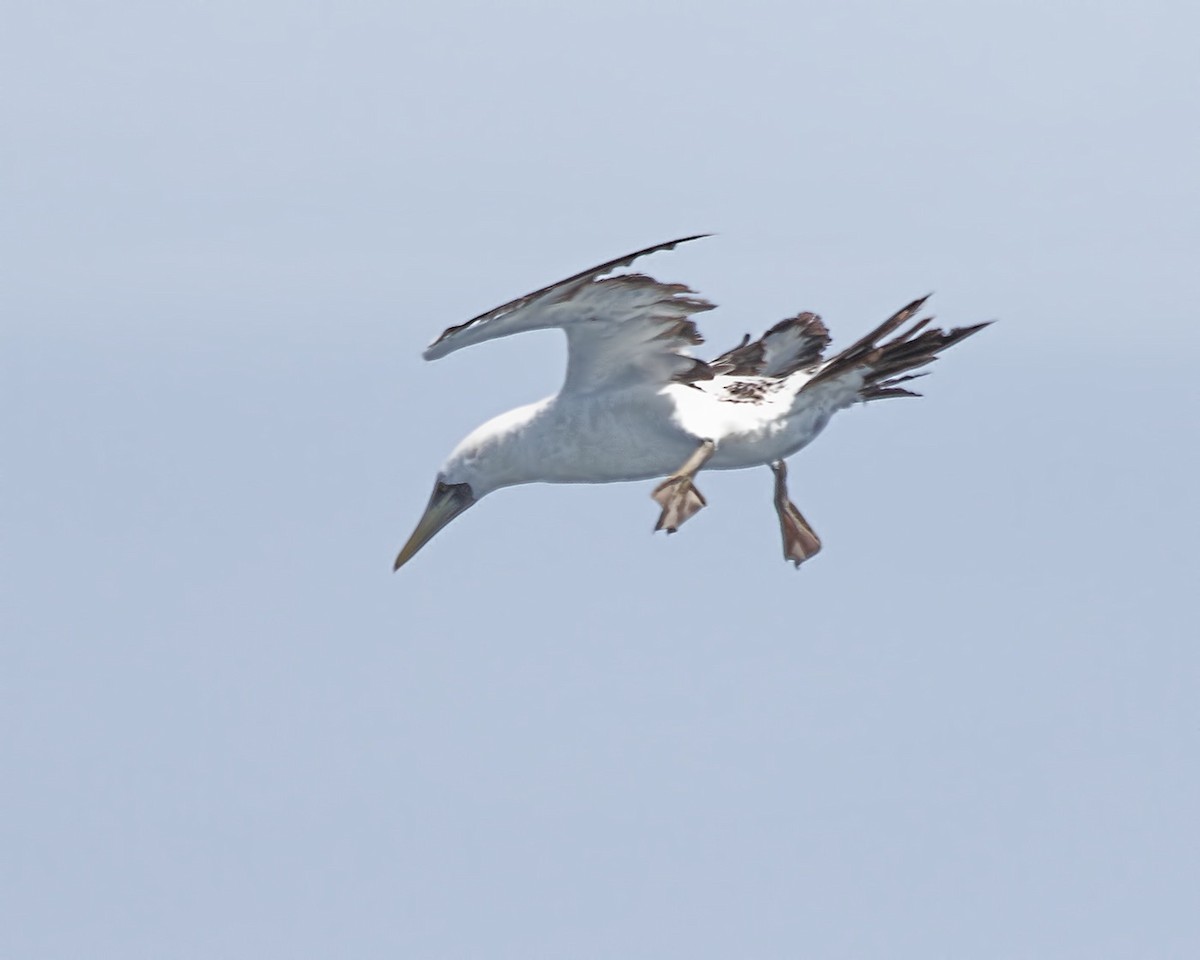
968, 729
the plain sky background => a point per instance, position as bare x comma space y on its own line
969, 729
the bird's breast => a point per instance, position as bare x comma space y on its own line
600, 439
641, 434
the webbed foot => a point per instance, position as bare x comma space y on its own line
677, 495
800, 541
680, 501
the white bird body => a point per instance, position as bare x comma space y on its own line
635, 433
635, 404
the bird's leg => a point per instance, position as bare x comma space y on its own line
677, 495
800, 543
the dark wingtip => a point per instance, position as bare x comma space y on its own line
672, 244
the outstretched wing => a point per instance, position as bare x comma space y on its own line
623, 329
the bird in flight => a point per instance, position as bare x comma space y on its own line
636, 405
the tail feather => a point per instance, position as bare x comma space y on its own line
860, 350
884, 361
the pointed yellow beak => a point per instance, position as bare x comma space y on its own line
447, 502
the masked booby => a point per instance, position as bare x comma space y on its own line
636, 405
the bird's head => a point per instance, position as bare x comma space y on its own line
447, 502
466, 477
490, 457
